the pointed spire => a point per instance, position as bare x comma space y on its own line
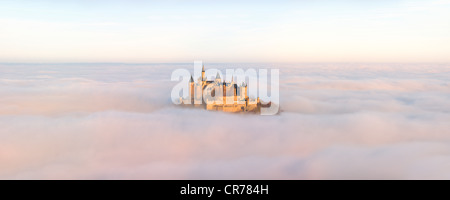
203, 69
192, 79
217, 76
232, 79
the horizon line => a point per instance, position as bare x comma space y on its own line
146, 63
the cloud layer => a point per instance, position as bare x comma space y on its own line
355, 121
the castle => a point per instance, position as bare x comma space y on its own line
224, 96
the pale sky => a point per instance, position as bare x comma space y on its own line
226, 31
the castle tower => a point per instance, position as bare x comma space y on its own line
235, 93
242, 95
234, 90
218, 78
246, 93
203, 75
198, 95
224, 91
244, 85
191, 90
202, 83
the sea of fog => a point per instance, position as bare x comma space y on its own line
117, 121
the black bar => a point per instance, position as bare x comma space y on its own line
173, 189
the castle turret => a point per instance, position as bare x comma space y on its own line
191, 90
203, 75
218, 78
202, 82
234, 87
245, 95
